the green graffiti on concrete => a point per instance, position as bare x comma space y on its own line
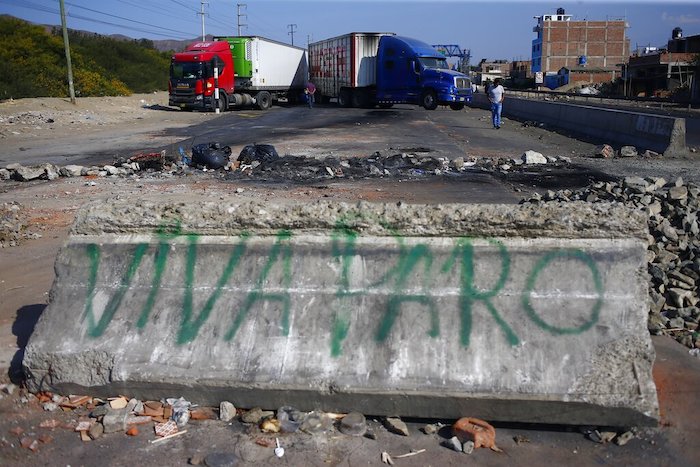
189, 328
283, 249
159, 264
530, 286
399, 283
469, 294
343, 252
408, 261
96, 329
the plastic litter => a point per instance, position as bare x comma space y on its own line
185, 159
259, 153
290, 419
181, 411
279, 450
210, 155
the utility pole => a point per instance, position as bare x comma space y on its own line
309, 38
67, 47
292, 30
201, 13
241, 15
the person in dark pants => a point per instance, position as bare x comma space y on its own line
309, 93
496, 94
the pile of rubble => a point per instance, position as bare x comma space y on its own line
92, 418
288, 167
674, 246
13, 226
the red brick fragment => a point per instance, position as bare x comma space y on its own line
473, 429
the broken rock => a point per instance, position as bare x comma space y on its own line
604, 151
396, 425
533, 157
227, 411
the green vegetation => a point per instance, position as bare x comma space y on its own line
33, 63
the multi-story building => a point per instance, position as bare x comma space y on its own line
564, 43
521, 69
490, 70
660, 72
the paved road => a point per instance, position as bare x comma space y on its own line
329, 130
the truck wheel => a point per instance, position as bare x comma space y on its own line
429, 100
345, 98
264, 100
223, 102
456, 106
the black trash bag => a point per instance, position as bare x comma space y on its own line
210, 155
258, 152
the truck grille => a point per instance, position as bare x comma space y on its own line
462, 83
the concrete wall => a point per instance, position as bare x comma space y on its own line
616, 127
521, 313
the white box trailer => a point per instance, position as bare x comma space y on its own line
266, 70
344, 62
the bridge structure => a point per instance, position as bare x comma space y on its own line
454, 50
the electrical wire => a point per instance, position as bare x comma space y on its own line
43, 8
121, 17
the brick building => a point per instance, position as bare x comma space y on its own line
521, 69
564, 43
490, 70
661, 72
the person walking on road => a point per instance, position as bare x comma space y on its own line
496, 95
309, 93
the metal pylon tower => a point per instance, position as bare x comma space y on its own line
453, 50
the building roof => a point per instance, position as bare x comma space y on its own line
581, 69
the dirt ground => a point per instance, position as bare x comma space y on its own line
34, 127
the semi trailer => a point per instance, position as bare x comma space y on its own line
252, 71
367, 69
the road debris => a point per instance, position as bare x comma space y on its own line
479, 431
279, 450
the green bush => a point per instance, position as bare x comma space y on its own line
33, 63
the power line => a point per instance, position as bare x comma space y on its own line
153, 10
185, 5
37, 7
121, 17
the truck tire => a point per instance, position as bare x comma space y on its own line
264, 100
223, 103
345, 98
429, 100
456, 106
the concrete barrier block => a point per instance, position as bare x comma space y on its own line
517, 313
659, 133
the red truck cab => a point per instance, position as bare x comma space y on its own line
191, 84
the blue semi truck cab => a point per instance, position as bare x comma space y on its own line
412, 72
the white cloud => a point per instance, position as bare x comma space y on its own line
680, 19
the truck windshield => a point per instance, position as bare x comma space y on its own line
430, 62
186, 70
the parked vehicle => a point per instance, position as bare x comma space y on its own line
253, 71
368, 69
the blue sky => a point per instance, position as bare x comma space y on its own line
490, 29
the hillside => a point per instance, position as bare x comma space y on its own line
33, 64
